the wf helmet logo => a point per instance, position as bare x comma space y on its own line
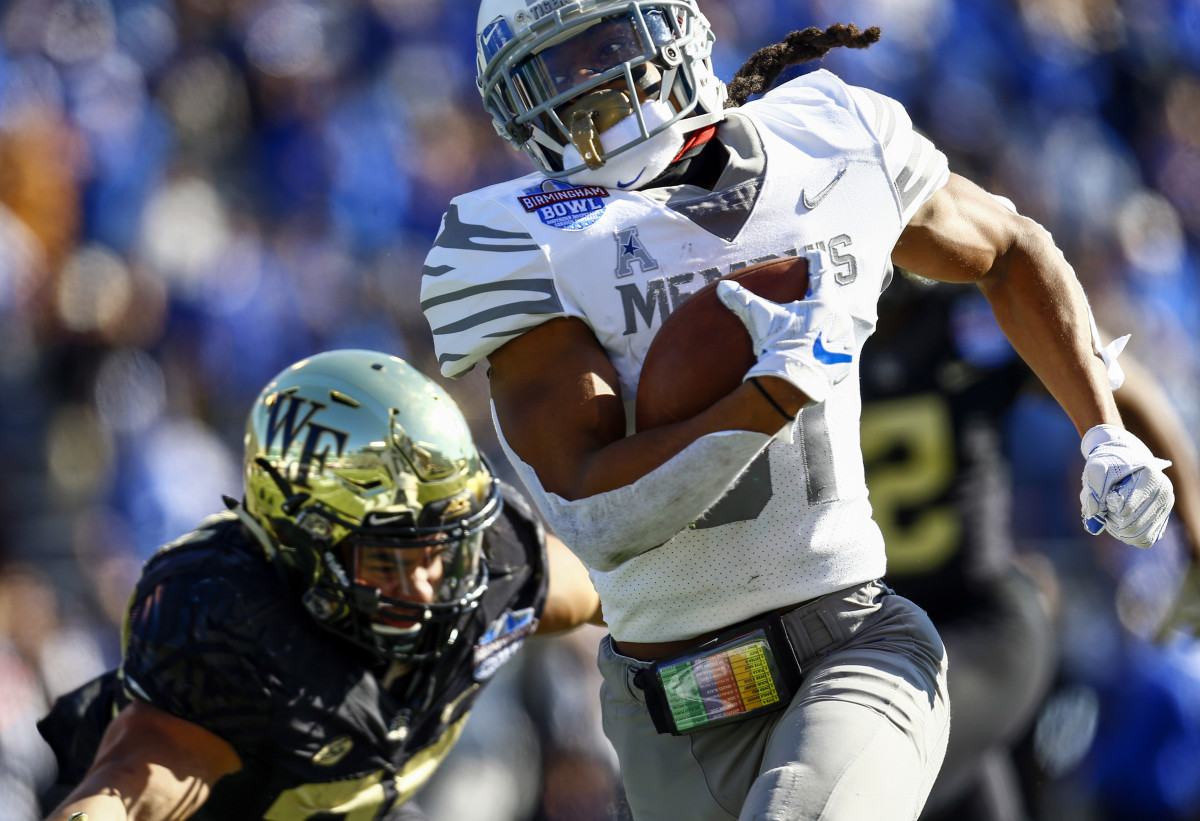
290, 421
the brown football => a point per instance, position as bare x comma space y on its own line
702, 351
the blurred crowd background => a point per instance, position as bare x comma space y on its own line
195, 193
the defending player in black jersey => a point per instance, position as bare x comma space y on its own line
938, 380
314, 651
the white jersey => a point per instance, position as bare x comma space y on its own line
814, 164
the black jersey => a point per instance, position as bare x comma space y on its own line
216, 637
938, 377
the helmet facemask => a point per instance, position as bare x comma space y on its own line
578, 88
399, 590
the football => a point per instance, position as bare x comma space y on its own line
702, 351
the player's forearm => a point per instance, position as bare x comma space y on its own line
626, 460
571, 600
82, 805
120, 791
609, 528
559, 409
1041, 307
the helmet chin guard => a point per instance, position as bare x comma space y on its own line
596, 111
562, 75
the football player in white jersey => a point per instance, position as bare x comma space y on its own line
756, 667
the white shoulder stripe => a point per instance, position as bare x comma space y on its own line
884, 115
539, 284
485, 280
549, 304
917, 168
923, 174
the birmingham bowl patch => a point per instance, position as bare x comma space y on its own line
565, 206
501, 641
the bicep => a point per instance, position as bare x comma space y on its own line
155, 764
557, 399
958, 235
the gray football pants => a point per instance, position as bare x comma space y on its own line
863, 738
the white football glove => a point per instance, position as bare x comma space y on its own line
1124, 488
809, 343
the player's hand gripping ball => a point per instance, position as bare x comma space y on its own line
702, 352
808, 342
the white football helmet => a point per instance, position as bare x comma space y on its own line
561, 79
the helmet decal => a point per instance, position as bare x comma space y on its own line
285, 423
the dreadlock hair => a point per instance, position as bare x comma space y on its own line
761, 71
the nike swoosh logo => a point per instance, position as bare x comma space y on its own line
377, 519
810, 204
826, 356
633, 181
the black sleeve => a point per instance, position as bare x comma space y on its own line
76, 723
193, 652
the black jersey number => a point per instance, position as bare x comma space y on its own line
364, 798
908, 449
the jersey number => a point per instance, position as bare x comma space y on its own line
747, 499
908, 449
357, 800
363, 799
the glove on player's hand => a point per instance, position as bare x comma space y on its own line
809, 343
1124, 488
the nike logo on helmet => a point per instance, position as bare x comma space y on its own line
384, 519
826, 356
812, 203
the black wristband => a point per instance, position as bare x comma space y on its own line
771, 399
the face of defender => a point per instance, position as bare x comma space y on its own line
410, 577
411, 574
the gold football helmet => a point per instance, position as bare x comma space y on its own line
374, 499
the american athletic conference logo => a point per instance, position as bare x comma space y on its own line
565, 206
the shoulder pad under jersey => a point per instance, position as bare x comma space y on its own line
915, 166
194, 630
485, 281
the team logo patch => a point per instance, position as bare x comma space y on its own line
501, 641
565, 206
630, 250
